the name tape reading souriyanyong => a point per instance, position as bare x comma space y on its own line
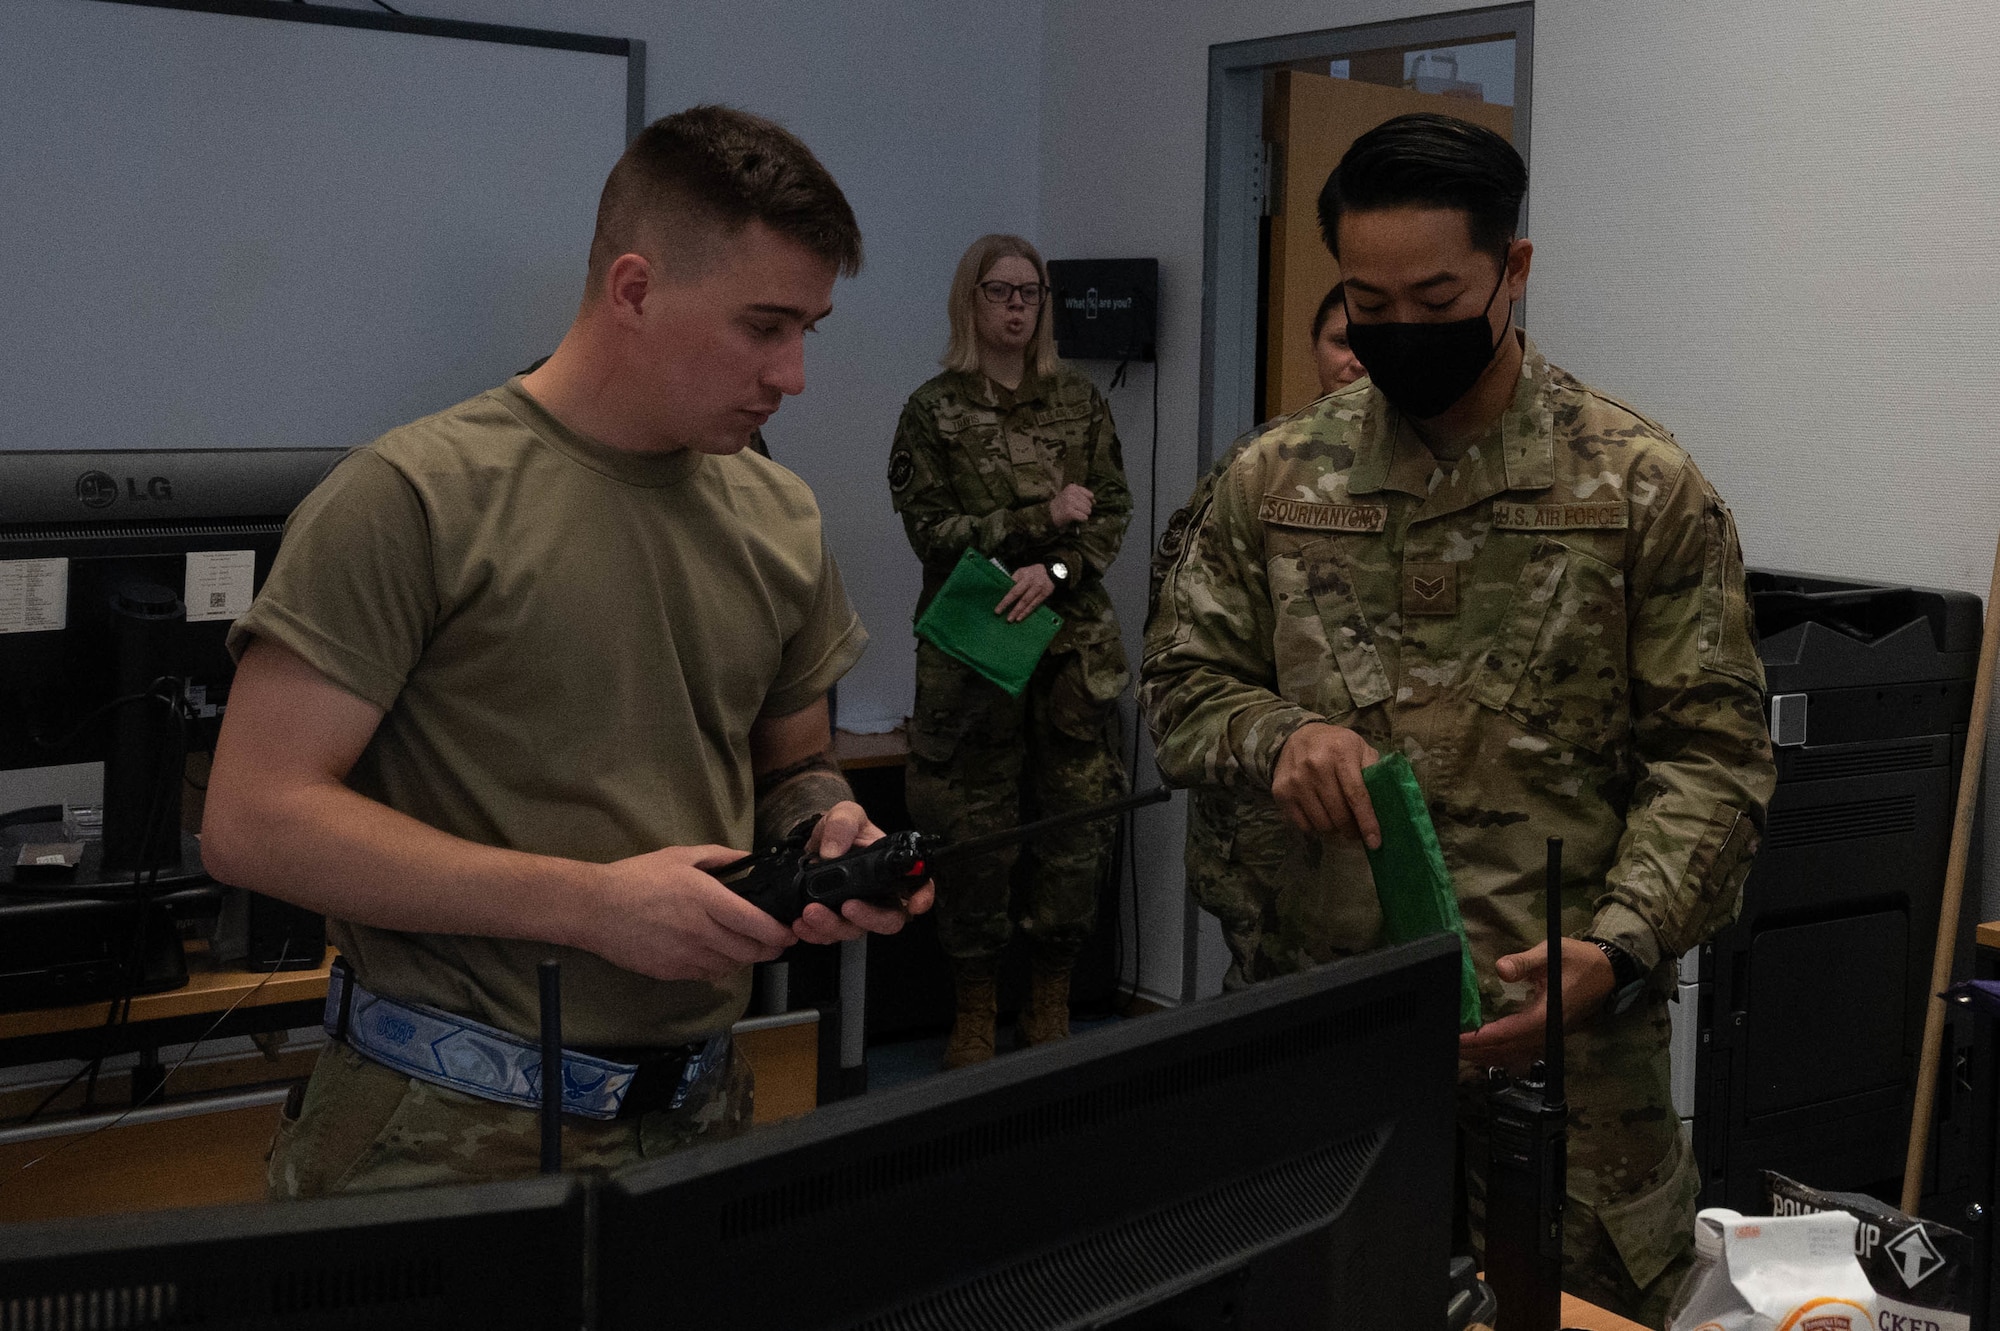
1321, 517
1558, 517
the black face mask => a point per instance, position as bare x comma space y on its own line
1424, 368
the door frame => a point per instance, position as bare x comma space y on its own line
1236, 184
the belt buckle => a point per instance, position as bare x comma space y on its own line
658, 1079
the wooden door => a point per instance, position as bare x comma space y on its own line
1310, 120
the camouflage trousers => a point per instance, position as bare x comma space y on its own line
980, 762
363, 1127
1236, 847
1628, 1228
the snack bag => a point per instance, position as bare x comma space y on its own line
1921, 1270
1786, 1273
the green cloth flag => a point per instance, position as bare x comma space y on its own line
1411, 879
960, 622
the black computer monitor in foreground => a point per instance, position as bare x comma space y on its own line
504, 1256
1274, 1160
1280, 1158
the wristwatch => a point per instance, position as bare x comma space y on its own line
1627, 980
1060, 571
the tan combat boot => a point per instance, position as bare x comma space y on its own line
1047, 1017
972, 1028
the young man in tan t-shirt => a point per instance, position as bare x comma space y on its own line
527, 669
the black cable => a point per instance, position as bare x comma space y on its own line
90, 720
144, 882
161, 1085
1128, 836
1131, 819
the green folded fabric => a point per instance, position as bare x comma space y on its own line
960, 622
1411, 879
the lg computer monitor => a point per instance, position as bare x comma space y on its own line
1278, 1158
78, 531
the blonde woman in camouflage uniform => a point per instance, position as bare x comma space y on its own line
1236, 842
1013, 454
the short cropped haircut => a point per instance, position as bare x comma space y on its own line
1333, 299
962, 352
1429, 161
708, 172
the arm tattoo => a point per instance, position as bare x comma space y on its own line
791, 795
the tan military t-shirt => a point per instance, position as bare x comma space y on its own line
570, 645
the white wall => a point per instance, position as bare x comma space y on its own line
1778, 226
926, 113
1771, 225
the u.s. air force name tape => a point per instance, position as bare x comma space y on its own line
1560, 517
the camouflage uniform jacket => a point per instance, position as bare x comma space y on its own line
975, 464
1555, 629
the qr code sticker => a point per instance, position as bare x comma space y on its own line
218, 600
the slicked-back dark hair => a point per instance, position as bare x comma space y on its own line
712, 170
1429, 161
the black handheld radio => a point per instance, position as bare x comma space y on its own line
782, 881
1528, 1125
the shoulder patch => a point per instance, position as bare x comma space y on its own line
1629, 410
1560, 517
1283, 512
901, 468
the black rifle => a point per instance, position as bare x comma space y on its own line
1528, 1126
781, 881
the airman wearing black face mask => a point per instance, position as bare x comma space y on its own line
1527, 588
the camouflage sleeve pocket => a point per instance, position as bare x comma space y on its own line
1318, 622
1558, 661
1712, 891
1727, 643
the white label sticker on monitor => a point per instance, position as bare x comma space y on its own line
220, 584
34, 595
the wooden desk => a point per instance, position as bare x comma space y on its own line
1589, 1317
858, 752
213, 1157
211, 990
1988, 935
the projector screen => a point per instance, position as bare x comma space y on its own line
236, 229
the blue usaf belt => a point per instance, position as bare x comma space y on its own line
448, 1050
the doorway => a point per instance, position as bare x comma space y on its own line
1282, 110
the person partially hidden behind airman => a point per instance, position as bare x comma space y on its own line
1528, 588
1236, 840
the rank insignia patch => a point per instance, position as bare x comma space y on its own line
1430, 589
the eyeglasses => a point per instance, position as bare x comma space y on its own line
1000, 293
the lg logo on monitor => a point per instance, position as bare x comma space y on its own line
96, 489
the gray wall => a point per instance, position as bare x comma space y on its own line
224, 232
1771, 225
927, 114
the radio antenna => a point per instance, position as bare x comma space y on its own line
1552, 1054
